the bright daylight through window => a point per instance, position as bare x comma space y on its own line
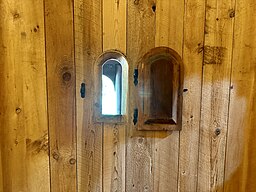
111, 87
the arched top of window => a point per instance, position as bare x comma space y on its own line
165, 53
111, 86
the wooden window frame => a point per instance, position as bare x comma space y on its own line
144, 121
103, 58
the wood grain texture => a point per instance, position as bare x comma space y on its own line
215, 95
3, 57
88, 47
240, 170
61, 93
139, 145
194, 18
114, 37
114, 157
1, 172
169, 32
169, 24
114, 25
214, 151
23, 98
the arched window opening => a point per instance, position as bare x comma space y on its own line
159, 90
111, 87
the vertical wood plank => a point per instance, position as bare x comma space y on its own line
240, 170
215, 94
140, 39
194, 18
3, 55
88, 47
114, 25
169, 32
169, 24
1, 175
114, 37
23, 98
61, 93
114, 158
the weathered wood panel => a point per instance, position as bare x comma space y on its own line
114, 25
215, 95
114, 37
169, 24
169, 32
61, 93
139, 145
88, 46
240, 170
194, 18
114, 158
1, 172
23, 98
3, 56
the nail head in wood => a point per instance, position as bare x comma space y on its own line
217, 131
18, 110
72, 161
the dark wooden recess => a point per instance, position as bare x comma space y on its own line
159, 90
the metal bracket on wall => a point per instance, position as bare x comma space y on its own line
135, 116
135, 76
82, 90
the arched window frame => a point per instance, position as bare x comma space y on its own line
143, 90
103, 58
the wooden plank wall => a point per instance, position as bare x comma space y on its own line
193, 43
48, 138
88, 46
140, 39
114, 38
59, 46
215, 94
240, 158
169, 33
23, 98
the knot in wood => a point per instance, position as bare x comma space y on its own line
66, 76
18, 110
232, 13
154, 8
136, 2
140, 140
16, 15
72, 161
55, 156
